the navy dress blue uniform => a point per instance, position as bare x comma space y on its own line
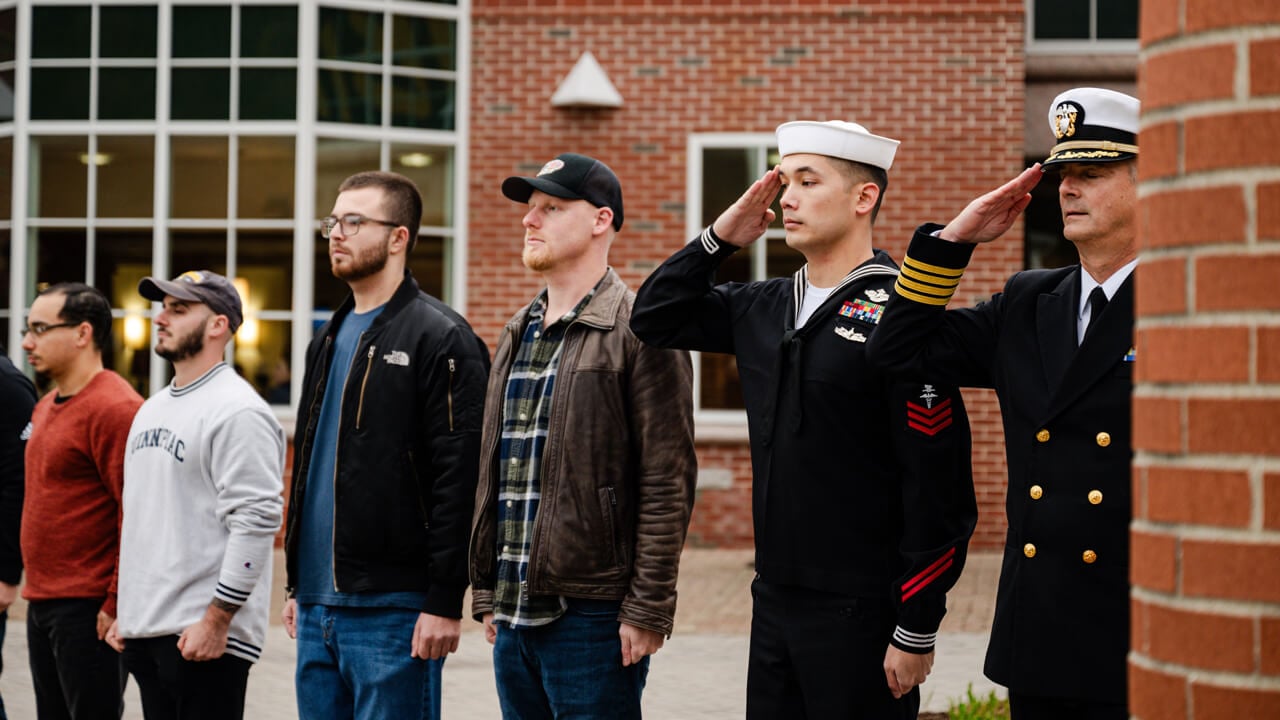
1061, 631
862, 497
1061, 626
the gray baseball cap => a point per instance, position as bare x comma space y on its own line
202, 286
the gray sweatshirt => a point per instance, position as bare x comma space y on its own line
202, 503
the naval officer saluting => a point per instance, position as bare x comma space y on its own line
1057, 347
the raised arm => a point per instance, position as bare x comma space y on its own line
680, 305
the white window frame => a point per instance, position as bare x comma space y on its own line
762, 143
304, 127
1082, 46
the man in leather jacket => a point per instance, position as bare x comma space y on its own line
587, 468
384, 472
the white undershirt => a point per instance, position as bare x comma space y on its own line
813, 297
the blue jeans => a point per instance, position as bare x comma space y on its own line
571, 668
355, 662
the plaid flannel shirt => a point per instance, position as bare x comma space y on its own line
526, 415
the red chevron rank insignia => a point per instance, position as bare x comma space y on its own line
930, 418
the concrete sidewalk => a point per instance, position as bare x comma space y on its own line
700, 674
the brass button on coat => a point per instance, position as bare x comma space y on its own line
1095, 497
1043, 436
1104, 439
1029, 550
1089, 556
1036, 492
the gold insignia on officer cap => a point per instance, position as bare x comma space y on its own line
1093, 125
838, 139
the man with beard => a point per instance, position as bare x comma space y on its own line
384, 472
202, 503
589, 469
71, 513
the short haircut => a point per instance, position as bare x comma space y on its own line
403, 201
83, 303
855, 172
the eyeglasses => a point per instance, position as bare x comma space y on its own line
350, 224
39, 329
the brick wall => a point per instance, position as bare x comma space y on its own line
946, 78
1206, 531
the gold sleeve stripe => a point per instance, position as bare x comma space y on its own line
913, 264
947, 284
922, 299
926, 287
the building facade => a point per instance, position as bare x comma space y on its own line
151, 138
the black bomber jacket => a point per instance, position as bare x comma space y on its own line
408, 448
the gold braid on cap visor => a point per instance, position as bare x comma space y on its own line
1105, 145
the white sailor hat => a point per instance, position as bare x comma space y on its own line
836, 138
1093, 125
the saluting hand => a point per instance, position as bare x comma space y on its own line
747, 219
991, 215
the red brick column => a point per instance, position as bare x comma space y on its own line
1206, 530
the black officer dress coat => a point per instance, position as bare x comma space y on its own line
1061, 627
861, 485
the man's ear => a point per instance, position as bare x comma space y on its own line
218, 326
604, 220
84, 334
868, 196
400, 240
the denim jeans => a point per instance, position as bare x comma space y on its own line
568, 669
354, 662
172, 688
74, 674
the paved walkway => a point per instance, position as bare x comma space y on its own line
700, 674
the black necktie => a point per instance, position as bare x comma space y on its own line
1097, 301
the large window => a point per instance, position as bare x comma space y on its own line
168, 137
411, 82
1082, 25
722, 167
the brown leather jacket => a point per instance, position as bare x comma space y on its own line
618, 469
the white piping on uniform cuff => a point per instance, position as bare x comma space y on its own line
708, 241
923, 641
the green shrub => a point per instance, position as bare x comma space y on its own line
979, 708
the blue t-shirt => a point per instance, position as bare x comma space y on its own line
315, 546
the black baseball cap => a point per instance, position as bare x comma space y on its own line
572, 177
201, 286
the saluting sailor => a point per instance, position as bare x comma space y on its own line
863, 499
1057, 347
